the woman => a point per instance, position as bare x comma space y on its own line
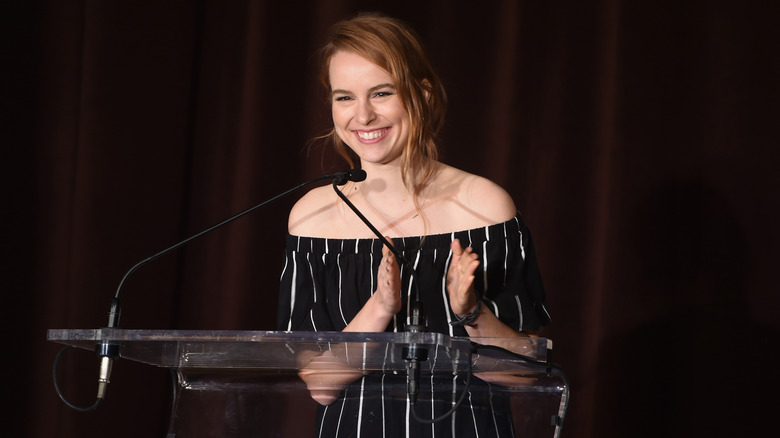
475, 263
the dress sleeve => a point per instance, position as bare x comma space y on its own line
510, 283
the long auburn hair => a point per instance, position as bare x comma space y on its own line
396, 48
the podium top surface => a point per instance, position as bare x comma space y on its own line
188, 349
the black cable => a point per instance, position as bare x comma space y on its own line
557, 420
457, 403
59, 392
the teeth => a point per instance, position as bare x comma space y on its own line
371, 135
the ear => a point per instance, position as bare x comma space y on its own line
426, 86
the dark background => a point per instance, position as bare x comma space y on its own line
638, 138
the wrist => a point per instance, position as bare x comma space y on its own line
468, 319
373, 317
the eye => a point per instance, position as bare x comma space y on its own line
384, 93
342, 98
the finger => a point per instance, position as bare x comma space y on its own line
472, 263
457, 250
387, 251
468, 258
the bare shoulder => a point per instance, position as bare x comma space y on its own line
312, 213
482, 201
483, 195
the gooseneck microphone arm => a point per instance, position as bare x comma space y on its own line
106, 351
336, 177
416, 313
413, 354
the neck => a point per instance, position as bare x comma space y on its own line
385, 181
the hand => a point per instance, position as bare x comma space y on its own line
385, 302
460, 279
388, 289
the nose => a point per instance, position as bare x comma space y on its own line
365, 112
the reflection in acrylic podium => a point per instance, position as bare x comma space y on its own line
245, 383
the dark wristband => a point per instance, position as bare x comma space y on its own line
468, 319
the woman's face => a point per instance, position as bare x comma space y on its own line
367, 111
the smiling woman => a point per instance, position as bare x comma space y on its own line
475, 261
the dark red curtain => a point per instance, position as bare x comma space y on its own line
638, 138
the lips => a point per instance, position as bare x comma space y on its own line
371, 136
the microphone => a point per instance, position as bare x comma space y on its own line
108, 352
413, 354
416, 314
354, 175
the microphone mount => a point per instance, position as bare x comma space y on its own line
413, 354
416, 313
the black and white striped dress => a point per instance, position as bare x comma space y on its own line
325, 282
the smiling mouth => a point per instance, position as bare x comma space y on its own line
371, 136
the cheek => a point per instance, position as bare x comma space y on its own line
340, 123
339, 116
342, 134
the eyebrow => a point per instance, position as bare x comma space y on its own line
370, 90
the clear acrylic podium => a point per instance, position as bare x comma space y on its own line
246, 383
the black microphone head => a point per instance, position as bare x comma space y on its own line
356, 175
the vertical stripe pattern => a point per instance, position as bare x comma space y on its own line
325, 282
